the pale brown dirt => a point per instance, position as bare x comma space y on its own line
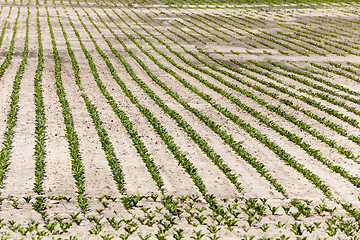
59, 181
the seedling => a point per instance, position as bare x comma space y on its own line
264, 227
146, 237
27, 199
286, 209
96, 229
213, 229
107, 237
178, 234
310, 228
296, 229
198, 235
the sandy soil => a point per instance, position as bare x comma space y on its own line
143, 209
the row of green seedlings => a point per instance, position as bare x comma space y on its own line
198, 26
216, 21
350, 44
5, 24
195, 31
251, 21
188, 33
352, 108
201, 142
106, 144
306, 127
326, 31
199, 19
205, 29
216, 128
71, 135
345, 69
330, 99
316, 33
272, 40
39, 153
345, 118
227, 22
161, 130
299, 44
275, 149
180, 2
12, 115
303, 24
335, 127
11, 48
284, 90
310, 70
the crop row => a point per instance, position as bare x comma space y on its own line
40, 116
12, 115
71, 135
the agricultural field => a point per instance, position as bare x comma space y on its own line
183, 119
